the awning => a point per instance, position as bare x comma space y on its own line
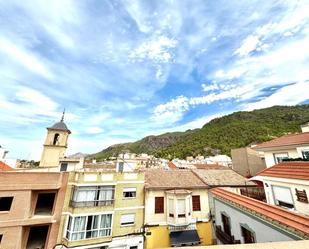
184, 238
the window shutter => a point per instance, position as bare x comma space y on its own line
127, 219
196, 204
301, 196
159, 205
283, 194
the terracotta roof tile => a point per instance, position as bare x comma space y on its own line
4, 167
172, 179
210, 166
284, 217
222, 177
291, 139
292, 170
171, 165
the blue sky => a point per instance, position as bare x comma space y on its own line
126, 69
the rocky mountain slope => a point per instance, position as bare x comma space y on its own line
220, 135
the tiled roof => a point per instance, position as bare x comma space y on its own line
287, 219
61, 126
291, 139
222, 177
209, 166
4, 167
172, 179
292, 170
171, 165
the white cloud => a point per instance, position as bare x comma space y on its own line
24, 57
157, 50
288, 95
94, 130
210, 87
250, 44
35, 99
172, 111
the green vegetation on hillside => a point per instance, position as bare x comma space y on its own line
220, 135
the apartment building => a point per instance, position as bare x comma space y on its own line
240, 220
176, 211
30, 209
287, 146
177, 204
247, 161
287, 185
103, 210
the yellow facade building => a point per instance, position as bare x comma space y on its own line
176, 209
103, 210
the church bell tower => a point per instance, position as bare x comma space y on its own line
55, 145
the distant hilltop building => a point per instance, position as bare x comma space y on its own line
55, 144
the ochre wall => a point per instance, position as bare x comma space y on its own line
160, 238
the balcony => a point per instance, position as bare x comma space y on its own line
97, 203
224, 237
255, 193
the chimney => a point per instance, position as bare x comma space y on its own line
305, 127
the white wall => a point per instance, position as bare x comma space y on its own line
161, 219
263, 232
289, 183
126, 242
269, 155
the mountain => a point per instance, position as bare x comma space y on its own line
220, 135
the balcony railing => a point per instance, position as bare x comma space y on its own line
224, 237
255, 193
97, 203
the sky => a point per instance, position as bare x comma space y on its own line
127, 69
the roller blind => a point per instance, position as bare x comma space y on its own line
127, 219
283, 194
129, 190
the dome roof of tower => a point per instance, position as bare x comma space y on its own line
61, 126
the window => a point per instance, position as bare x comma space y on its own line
159, 205
305, 154
5, 203
127, 219
63, 166
280, 156
226, 224
92, 226
181, 208
283, 197
92, 196
45, 203
129, 192
171, 207
120, 167
56, 139
301, 195
37, 236
196, 205
247, 235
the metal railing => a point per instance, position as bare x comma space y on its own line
255, 193
224, 237
96, 203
